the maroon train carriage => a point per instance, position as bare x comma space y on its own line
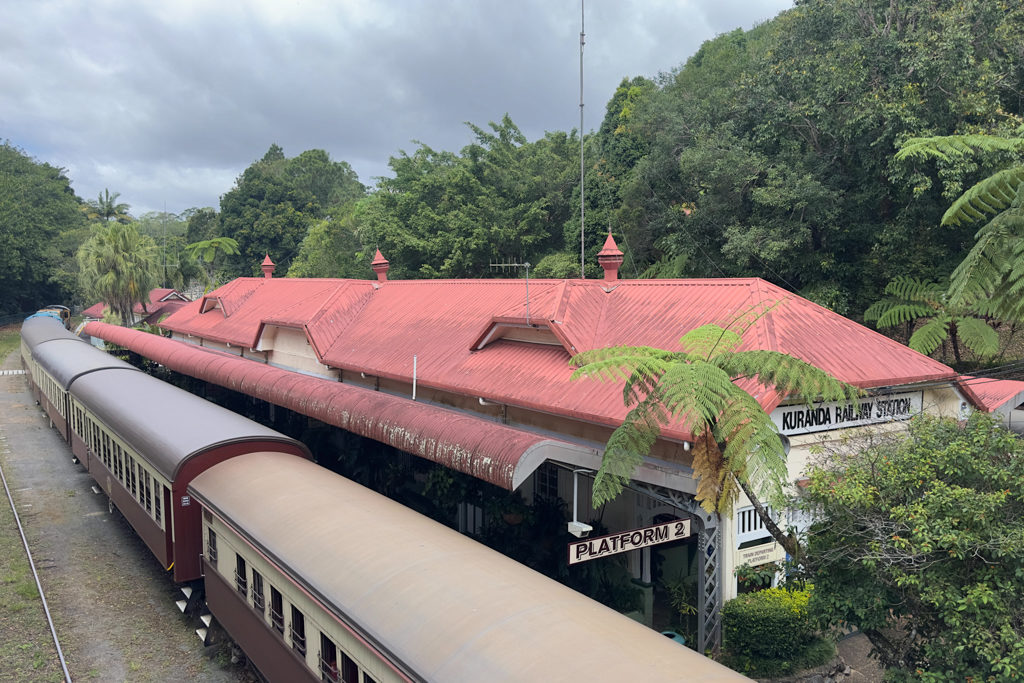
60, 364
319, 578
35, 331
145, 442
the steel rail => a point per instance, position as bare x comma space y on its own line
35, 575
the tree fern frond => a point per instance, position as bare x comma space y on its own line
896, 313
929, 336
982, 269
978, 335
913, 289
696, 393
706, 340
988, 197
945, 147
791, 376
624, 452
617, 363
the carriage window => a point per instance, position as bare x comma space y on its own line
349, 669
241, 583
276, 610
149, 491
131, 474
156, 501
257, 591
328, 660
211, 547
367, 679
298, 631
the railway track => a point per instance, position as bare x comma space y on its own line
28, 554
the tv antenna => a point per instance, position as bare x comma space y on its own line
526, 266
583, 274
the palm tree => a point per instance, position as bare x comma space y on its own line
737, 446
107, 208
992, 275
910, 299
206, 252
119, 267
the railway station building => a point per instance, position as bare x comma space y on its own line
474, 375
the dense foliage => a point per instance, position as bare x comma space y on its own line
40, 228
918, 541
773, 624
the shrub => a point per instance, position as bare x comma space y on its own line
770, 624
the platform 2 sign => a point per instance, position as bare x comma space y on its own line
612, 544
804, 419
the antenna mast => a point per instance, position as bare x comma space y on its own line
582, 205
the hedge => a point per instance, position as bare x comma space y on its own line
771, 624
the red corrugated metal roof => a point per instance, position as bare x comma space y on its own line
487, 450
993, 394
156, 304
438, 321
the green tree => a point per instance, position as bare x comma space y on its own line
451, 215
106, 208
275, 201
42, 227
737, 446
206, 253
332, 248
910, 300
917, 541
200, 224
119, 267
992, 273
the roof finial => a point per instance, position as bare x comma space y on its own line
610, 258
380, 266
268, 267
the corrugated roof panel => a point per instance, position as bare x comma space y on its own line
996, 393
379, 331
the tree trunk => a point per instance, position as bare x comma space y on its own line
787, 541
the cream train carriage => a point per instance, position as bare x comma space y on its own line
319, 578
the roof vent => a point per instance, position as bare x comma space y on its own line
610, 259
268, 267
380, 266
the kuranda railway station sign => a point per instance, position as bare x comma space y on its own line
803, 419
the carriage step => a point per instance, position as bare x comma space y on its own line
207, 619
202, 633
182, 604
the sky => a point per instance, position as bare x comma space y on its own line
167, 102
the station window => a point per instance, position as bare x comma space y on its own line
241, 582
211, 546
298, 631
276, 610
328, 660
258, 600
545, 484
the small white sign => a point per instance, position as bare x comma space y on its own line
760, 554
185, 501
802, 419
612, 544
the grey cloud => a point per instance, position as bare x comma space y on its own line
169, 102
